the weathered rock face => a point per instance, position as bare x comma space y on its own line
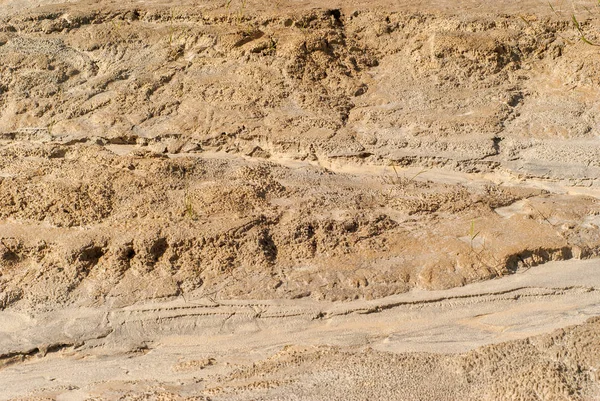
235, 152
186, 188
474, 92
92, 226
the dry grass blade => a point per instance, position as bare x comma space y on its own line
581, 34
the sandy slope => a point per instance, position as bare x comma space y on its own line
282, 349
201, 149
284, 200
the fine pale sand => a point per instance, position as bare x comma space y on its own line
422, 345
303, 200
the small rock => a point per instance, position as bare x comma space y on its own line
158, 147
191, 147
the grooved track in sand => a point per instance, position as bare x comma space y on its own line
456, 320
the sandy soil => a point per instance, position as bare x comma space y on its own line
255, 200
481, 341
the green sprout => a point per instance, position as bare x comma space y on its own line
581, 34
472, 233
